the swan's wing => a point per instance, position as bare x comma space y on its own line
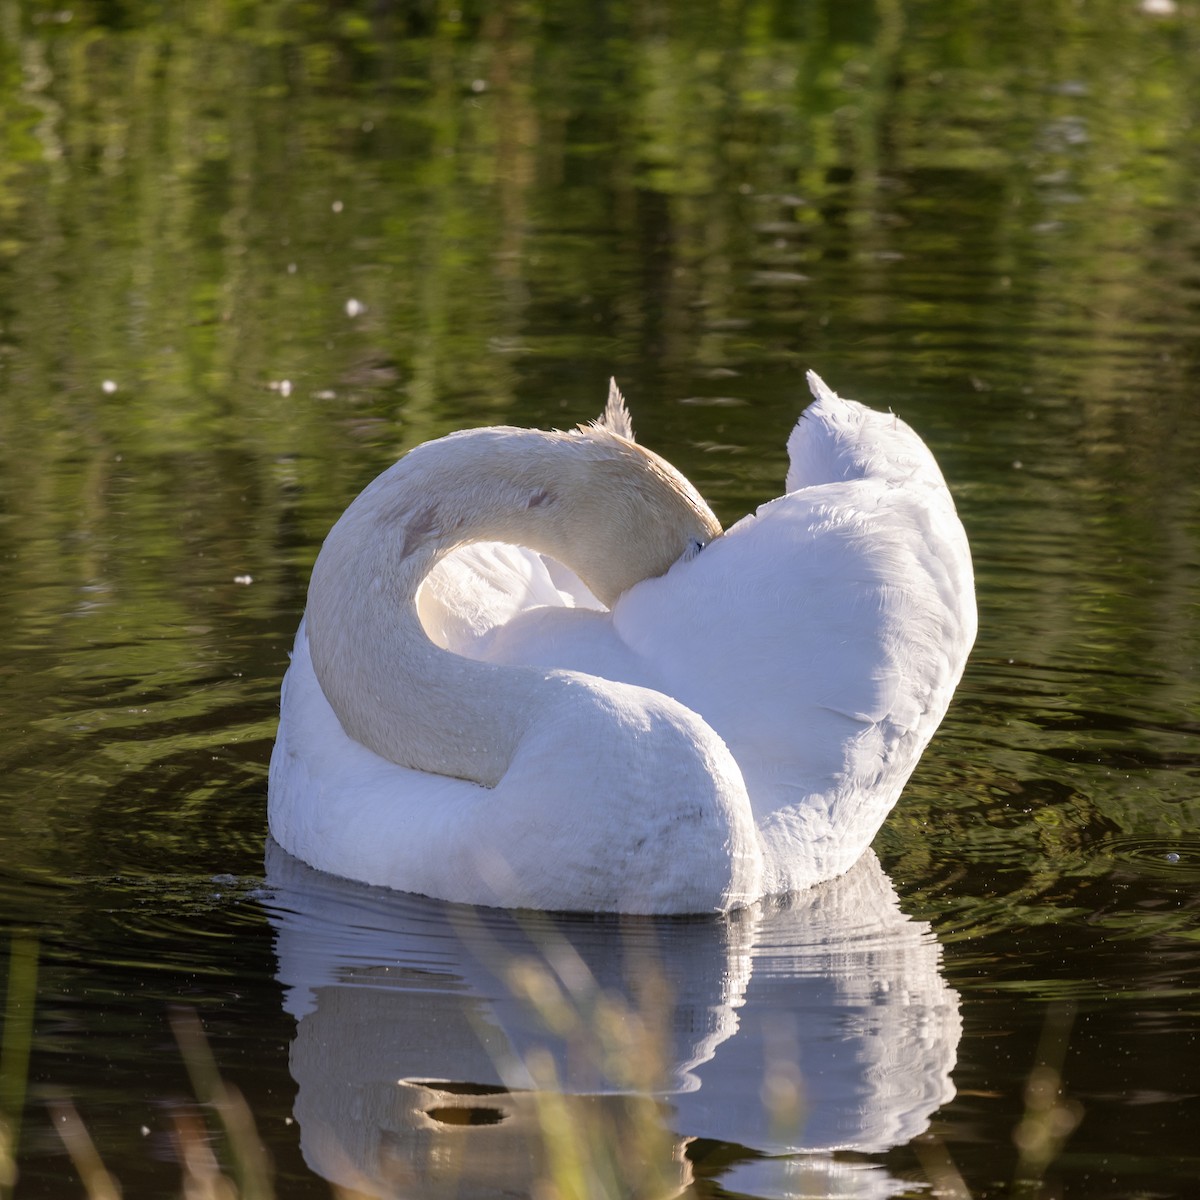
568, 639
822, 639
844, 598
560, 830
772, 634
330, 800
482, 587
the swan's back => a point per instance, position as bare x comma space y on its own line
822, 637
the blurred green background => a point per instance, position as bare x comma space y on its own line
251, 252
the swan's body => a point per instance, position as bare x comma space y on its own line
737, 727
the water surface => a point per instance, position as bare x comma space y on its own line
250, 254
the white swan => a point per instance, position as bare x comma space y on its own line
734, 728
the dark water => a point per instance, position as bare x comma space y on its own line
251, 253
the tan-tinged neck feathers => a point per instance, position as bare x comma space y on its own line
610, 510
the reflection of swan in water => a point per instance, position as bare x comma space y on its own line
412, 1056
734, 728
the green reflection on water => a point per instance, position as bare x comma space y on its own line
251, 252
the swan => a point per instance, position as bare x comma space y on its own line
533, 672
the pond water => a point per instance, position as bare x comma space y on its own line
249, 254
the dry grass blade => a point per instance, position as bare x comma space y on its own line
1050, 1117
99, 1184
14, 1052
251, 1166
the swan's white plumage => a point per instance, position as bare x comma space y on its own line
530, 841
798, 667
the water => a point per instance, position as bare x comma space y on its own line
249, 254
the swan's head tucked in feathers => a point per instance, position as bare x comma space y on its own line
837, 440
631, 515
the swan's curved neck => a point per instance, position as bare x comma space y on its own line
598, 503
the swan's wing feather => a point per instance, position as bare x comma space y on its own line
838, 440
822, 639
537, 839
481, 587
572, 639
